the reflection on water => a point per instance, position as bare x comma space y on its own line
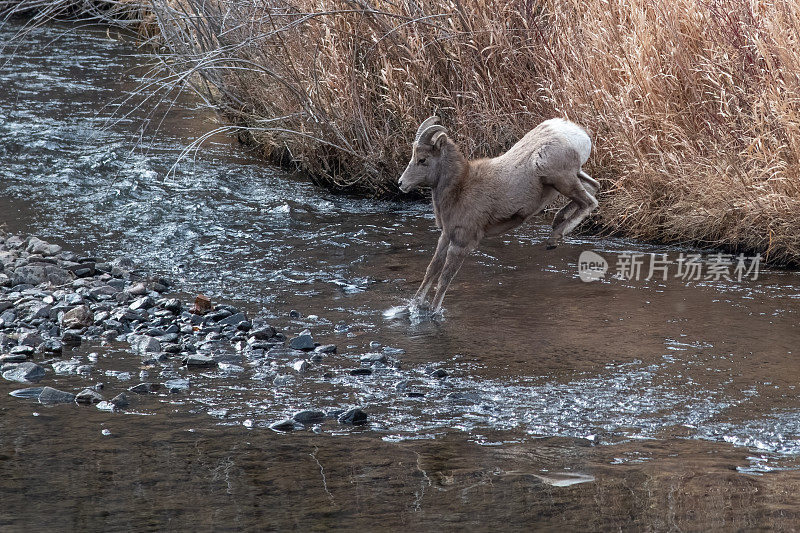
608, 404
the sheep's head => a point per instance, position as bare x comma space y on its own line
424, 167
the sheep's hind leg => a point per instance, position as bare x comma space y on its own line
586, 204
434, 269
569, 209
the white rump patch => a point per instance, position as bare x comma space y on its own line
576, 136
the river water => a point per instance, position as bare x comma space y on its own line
612, 404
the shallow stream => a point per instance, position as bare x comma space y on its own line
615, 403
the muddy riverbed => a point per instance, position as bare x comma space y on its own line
669, 404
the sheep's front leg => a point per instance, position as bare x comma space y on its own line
457, 251
434, 269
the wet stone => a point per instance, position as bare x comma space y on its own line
88, 397
198, 360
233, 320
50, 395
70, 338
373, 358
144, 302
144, 388
13, 358
439, 373
79, 317
176, 385
24, 349
66, 367
309, 417
361, 372
230, 367
173, 305
120, 400
139, 289
172, 348
303, 342
353, 416
300, 366
326, 348
50, 346
283, 425
25, 372
28, 393
465, 397
144, 344
263, 333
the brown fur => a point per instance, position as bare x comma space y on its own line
488, 197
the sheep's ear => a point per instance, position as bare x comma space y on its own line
437, 140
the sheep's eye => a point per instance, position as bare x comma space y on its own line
421, 161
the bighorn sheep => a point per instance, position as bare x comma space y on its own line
487, 197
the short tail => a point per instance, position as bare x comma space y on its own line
588, 179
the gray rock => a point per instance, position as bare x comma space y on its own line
283, 425
144, 388
25, 372
304, 342
174, 305
79, 317
143, 344
29, 275
8, 317
103, 292
262, 333
372, 358
70, 338
57, 276
13, 358
139, 289
121, 400
145, 302
439, 373
176, 385
50, 346
326, 348
233, 320
361, 372
27, 393
50, 395
38, 246
88, 396
30, 339
22, 350
198, 360
465, 397
300, 366
309, 417
353, 416
230, 367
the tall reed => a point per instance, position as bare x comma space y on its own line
694, 105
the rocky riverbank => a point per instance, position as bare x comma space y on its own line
54, 301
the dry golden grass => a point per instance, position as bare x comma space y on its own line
693, 104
